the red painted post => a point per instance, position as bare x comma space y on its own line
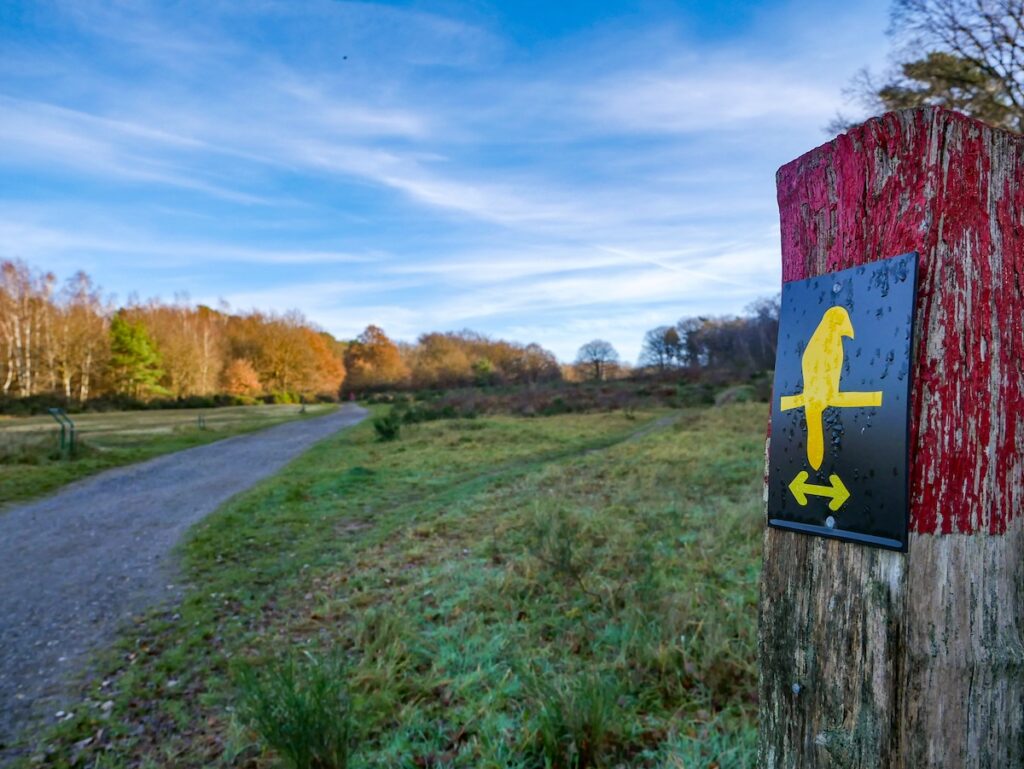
879, 659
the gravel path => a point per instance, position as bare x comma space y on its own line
75, 565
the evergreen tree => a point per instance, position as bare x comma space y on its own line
134, 359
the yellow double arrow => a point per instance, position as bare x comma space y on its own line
837, 491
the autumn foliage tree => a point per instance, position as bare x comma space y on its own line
25, 319
240, 378
288, 355
441, 360
374, 362
466, 358
190, 341
72, 344
81, 342
324, 371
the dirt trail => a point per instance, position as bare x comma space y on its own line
75, 565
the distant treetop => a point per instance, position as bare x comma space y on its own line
965, 55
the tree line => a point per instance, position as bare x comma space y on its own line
443, 361
72, 342
729, 347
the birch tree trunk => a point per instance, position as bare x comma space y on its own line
870, 658
86, 371
9, 375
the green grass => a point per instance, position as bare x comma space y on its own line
301, 708
504, 593
31, 464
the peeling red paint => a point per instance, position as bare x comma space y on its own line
924, 181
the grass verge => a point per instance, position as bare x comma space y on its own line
31, 464
574, 591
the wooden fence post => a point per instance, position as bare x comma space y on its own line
873, 659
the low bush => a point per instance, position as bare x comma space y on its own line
299, 708
388, 426
557, 543
282, 396
576, 722
695, 394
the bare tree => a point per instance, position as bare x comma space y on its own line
596, 357
662, 348
738, 346
535, 364
966, 55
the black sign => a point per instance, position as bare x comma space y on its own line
837, 462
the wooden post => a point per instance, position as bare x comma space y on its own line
872, 659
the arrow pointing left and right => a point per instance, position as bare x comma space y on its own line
837, 492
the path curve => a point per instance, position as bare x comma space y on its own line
77, 564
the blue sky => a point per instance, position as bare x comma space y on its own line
549, 172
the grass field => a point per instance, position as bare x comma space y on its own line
571, 591
31, 463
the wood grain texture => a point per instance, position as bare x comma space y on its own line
878, 659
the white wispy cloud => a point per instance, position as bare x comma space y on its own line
708, 99
19, 239
451, 177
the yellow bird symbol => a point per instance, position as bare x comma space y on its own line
822, 365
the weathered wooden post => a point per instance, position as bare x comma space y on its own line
872, 658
